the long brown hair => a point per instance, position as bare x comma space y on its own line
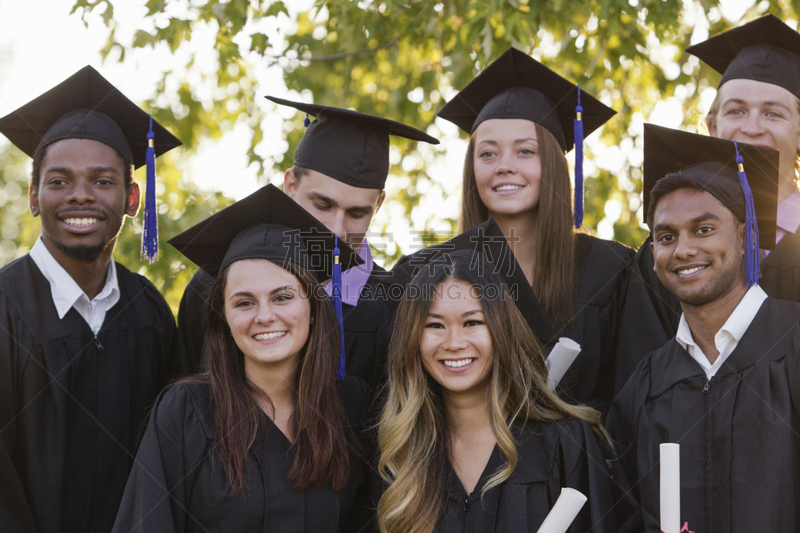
319, 420
554, 237
413, 434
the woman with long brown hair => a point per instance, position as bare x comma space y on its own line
265, 439
471, 438
520, 117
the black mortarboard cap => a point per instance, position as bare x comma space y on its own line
349, 146
517, 86
488, 240
765, 50
85, 106
742, 177
265, 225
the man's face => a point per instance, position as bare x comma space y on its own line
698, 247
344, 209
763, 114
82, 199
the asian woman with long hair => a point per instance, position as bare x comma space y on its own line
471, 438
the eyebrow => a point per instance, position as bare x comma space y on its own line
93, 170
465, 314
355, 209
767, 103
695, 221
517, 141
249, 294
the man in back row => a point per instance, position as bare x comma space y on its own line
339, 172
85, 345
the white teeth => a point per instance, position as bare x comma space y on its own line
508, 187
80, 221
458, 364
268, 336
690, 270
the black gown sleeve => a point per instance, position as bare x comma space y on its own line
649, 316
581, 465
192, 323
156, 496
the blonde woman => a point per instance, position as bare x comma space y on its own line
471, 438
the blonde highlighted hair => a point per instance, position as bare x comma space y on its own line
413, 435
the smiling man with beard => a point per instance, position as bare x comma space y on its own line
727, 386
85, 345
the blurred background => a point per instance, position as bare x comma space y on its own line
202, 68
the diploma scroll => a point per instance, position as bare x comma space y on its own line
670, 488
565, 510
561, 357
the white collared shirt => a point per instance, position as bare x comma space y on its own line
728, 337
66, 292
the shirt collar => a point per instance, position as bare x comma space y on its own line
354, 278
789, 213
735, 327
64, 290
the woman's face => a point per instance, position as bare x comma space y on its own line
456, 346
268, 314
508, 166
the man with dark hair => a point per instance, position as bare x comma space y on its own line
85, 345
756, 103
727, 386
340, 169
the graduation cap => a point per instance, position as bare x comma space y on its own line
741, 176
270, 225
349, 146
517, 86
486, 243
765, 50
87, 106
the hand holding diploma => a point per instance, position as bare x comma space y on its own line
565, 510
561, 357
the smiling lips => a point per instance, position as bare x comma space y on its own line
688, 271
507, 187
269, 336
458, 363
81, 222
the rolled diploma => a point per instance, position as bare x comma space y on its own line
561, 357
670, 487
565, 510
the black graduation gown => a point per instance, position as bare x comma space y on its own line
551, 456
780, 270
366, 328
178, 485
739, 432
72, 404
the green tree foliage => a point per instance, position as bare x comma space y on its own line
403, 59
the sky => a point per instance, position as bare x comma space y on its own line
41, 44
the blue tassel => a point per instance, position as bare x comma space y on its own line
578, 130
150, 224
752, 242
337, 305
306, 122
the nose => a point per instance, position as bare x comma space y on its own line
455, 340
505, 165
753, 126
685, 248
335, 222
265, 315
81, 192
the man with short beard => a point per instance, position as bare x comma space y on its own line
85, 345
727, 386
